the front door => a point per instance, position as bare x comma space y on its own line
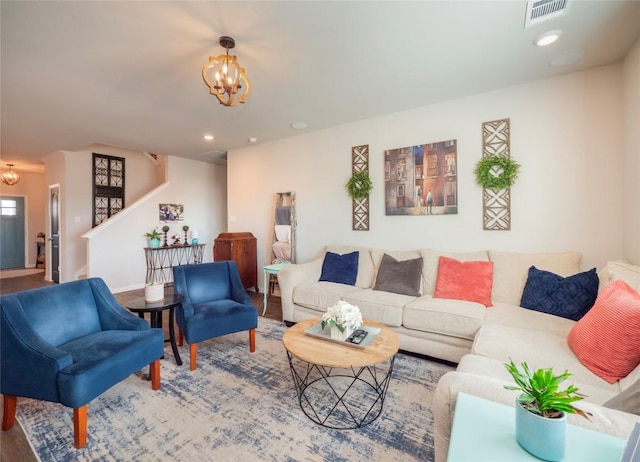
11, 232
54, 210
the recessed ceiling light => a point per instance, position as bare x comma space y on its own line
208, 137
299, 125
568, 58
252, 139
547, 38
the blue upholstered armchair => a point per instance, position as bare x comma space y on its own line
69, 343
215, 303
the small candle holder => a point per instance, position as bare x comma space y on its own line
185, 228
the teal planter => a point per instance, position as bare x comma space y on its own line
154, 243
539, 436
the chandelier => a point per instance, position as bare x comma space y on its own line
9, 177
224, 76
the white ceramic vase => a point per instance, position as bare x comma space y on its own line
154, 292
342, 336
540, 436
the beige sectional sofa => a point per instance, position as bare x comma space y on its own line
481, 339
436, 327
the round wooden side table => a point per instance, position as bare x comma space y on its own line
340, 386
155, 309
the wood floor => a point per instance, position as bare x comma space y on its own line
14, 446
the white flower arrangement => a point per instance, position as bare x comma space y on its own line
343, 315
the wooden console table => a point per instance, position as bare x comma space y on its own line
161, 260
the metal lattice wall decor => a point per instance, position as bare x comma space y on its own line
496, 204
108, 187
360, 208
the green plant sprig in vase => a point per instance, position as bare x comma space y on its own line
541, 410
540, 393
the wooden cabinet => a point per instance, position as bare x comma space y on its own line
241, 248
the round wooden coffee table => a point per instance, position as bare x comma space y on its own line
340, 386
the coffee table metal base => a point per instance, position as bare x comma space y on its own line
341, 398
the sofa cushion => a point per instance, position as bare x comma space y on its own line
400, 277
615, 270
366, 270
400, 255
489, 367
384, 307
454, 318
342, 269
470, 281
569, 297
320, 295
606, 339
431, 260
539, 349
514, 316
510, 270
627, 401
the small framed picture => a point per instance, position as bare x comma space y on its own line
171, 213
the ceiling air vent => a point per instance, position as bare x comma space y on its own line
543, 10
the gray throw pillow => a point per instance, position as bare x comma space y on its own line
627, 401
399, 277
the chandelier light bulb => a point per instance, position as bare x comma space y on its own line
224, 76
9, 177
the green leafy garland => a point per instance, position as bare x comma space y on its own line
359, 185
485, 178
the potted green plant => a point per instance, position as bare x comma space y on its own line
541, 410
154, 238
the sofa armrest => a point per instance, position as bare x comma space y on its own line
292, 276
112, 315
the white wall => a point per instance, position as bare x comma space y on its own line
74, 172
116, 254
566, 132
31, 186
631, 194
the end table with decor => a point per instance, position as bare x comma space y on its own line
169, 302
485, 430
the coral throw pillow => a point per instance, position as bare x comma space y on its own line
470, 280
607, 338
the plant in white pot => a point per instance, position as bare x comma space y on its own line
153, 291
343, 318
541, 410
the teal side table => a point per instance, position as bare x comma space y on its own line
485, 431
270, 269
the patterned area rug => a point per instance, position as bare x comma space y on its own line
235, 406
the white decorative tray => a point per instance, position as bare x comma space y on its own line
317, 331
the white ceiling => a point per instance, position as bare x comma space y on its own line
128, 74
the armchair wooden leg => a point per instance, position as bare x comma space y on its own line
9, 411
252, 340
180, 338
154, 373
193, 351
80, 427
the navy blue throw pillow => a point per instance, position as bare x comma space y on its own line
569, 297
340, 268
